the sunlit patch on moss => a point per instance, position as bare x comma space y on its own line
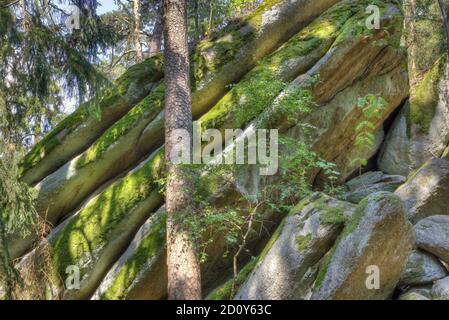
88, 232
145, 111
424, 101
257, 90
148, 249
115, 96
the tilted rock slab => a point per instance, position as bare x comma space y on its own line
128, 278
141, 131
421, 131
379, 235
440, 290
422, 268
426, 191
220, 61
371, 182
432, 235
288, 269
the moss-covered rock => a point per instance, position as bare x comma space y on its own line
425, 192
378, 236
141, 130
95, 236
78, 130
371, 182
421, 131
128, 140
289, 267
247, 42
128, 278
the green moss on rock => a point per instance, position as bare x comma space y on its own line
148, 249
146, 111
424, 100
302, 241
115, 96
89, 231
224, 292
257, 90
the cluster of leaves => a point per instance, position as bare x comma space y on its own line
372, 107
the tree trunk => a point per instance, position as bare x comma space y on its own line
184, 281
155, 43
137, 44
445, 22
6, 269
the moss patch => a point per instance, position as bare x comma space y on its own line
90, 230
149, 248
257, 90
145, 111
302, 242
224, 291
424, 101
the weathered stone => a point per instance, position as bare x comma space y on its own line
365, 180
371, 182
141, 130
425, 192
289, 267
421, 131
432, 235
422, 268
440, 290
378, 236
412, 296
128, 277
78, 130
420, 291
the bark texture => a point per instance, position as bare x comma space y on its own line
184, 280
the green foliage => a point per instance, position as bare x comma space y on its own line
48, 68
372, 108
17, 213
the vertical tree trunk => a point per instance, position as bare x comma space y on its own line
184, 281
137, 20
6, 269
155, 43
198, 32
445, 22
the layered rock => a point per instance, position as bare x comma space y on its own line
425, 192
141, 130
378, 239
422, 268
421, 131
432, 236
219, 62
288, 269
371, 182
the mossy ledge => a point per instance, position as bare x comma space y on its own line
111, 105
425, 99
110, 218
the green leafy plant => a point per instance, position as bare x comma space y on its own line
372, 107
